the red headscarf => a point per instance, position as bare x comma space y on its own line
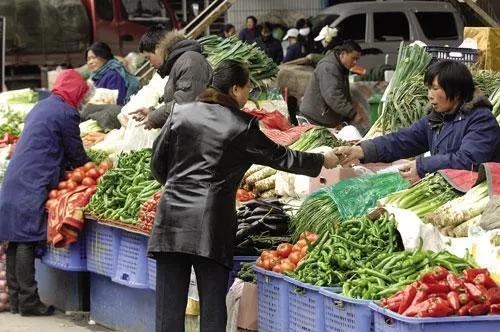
71, 87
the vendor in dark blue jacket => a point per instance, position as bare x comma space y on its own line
109, 73
50, 141
459, 131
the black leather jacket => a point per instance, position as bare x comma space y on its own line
201, 155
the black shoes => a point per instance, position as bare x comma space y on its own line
14, 309
39, 310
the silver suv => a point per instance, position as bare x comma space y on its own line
379, 27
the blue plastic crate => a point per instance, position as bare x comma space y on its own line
103, 243
272, 302
386, 320
237, 261
345, 314
72, 258
306, 312
132, 265
152, 273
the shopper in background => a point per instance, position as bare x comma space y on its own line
294, 49
201, 155
228, 31
109, 73
304, 28
50, 142
250, 33
327, 38
188, 71
459, 129
327, 99
270, 45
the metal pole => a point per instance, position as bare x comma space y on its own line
207, 30
184, 11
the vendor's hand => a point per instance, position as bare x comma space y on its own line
140, 114
409, 171
331, 159
349, 154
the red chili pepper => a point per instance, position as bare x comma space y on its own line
454, 300
393, 306
485, 280
408, 296
383, 302
465, 309
495, 309
439, 308
435, 288
475, 293
421, 296
429, 278
470, 274
454, 281
420, 308
440, 273
463, 298
443, 296
479, 309
493, 295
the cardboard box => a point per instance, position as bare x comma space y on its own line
488, 42
247, 313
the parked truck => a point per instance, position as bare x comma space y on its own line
46, 33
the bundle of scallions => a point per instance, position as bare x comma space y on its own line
426, 196
316, 137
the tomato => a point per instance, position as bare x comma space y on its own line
71, 185
53, 193
312, 237
266, 254
88, 181
101, 171
284, 249
303, 251
259, 262
77, 176
89, 166
79, 169
287, 267
273, 262
62, 185
93, 173
266, 264
277, 268
67, 175
294, 257
296, 248
106, 164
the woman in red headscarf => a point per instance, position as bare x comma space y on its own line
49, 144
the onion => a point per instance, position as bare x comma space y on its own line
3, 275
3, 257
2, 266
3, 285
4, 298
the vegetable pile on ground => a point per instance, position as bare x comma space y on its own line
87, 175
388, 273
426, 196
485, 81
97, 156
8, 139
454, 217
123, 190
12, 123
346, 247
4, 294
218, 49
441, 293
147, 214
261, 224
287, 257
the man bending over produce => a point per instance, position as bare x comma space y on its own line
459, 131
181, 59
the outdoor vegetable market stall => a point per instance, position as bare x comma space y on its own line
344, 251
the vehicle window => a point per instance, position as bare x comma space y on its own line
146, 12
437, 25
391, 26
353, 27
104, 9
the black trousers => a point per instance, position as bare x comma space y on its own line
173, 275
23, 291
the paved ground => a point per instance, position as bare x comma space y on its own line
58, 323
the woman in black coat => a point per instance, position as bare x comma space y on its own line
201, 155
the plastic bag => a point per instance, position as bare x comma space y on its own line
138, 138
490, 219
104, 96
355, 196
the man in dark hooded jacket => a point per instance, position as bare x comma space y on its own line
181, 60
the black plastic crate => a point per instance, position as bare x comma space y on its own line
465, 55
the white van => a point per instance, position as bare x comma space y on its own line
380, 26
